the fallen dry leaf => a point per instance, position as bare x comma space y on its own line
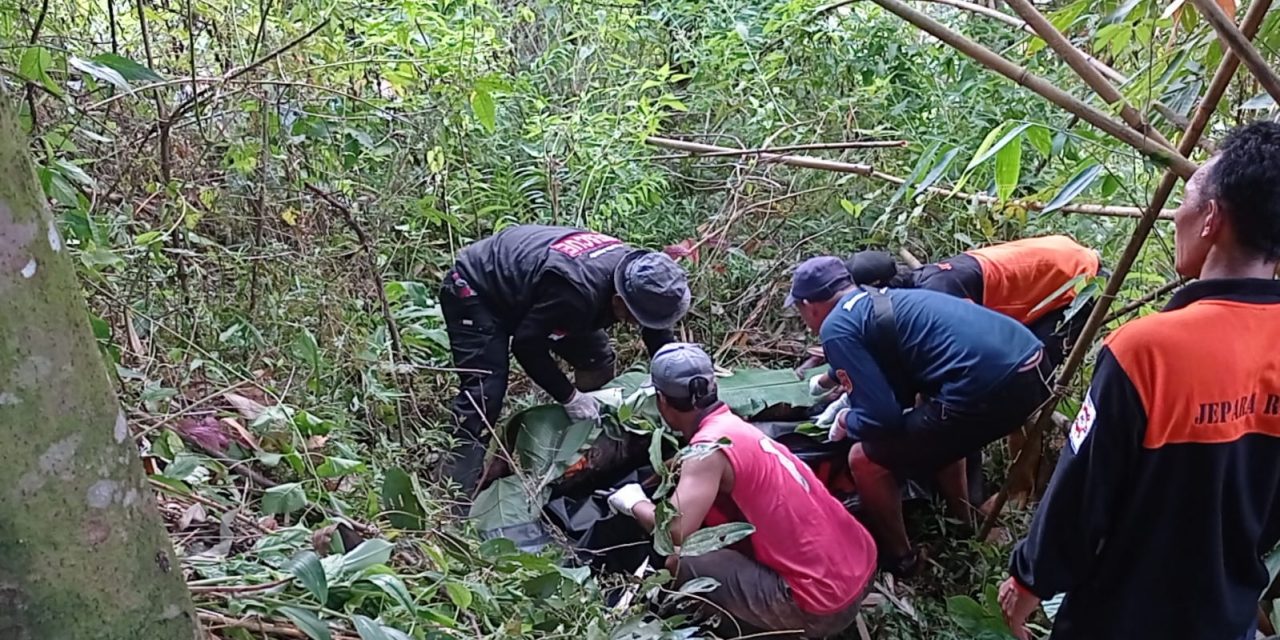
240, 432
249, 409
194, 514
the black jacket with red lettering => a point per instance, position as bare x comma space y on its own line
544, 283
1168, 491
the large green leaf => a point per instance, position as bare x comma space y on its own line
746, 391
34, 67
400, 500
547, 441
715, 538
368, 554
101, 72
368, 629
128, 69
306, 568
483, 107
308, 622
284, 499
505, 503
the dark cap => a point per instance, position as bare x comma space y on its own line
677, 369
818, 279
654, 288
875, 268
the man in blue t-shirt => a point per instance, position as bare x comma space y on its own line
981, 374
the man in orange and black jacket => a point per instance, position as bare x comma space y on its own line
1028, 280
1167, 494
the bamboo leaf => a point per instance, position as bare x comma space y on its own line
101, 72
924, 161
715, 538
393, 586
1066, 286
988, 149
128, 69
1074, 187
308, 622
938, 169
307, 569
1008, 168
1041, 139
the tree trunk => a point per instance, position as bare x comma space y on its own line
83, 553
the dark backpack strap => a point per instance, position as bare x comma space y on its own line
886, 347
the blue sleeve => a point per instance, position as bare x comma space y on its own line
873, 407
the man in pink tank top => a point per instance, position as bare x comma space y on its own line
808, 564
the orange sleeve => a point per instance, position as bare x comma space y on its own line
1018, 276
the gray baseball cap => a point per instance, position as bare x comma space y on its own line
654, 288
677, 365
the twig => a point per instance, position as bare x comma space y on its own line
261, 626
1145, 300
29, 87
239, 588
1079, 62
994, 61
852, 144
396, 348
1241, 45
1030, 453
868, 171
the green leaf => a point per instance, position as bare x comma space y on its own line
988, 149
183, 465
483, 107
284, 498
503, 504
459, 594
715, 538
73, 173
400, 500
393, 586
938, 169
101, 72
338, 467
305, 349
1074, 187
1008, 167
368, 629
921, 166
34, 67
369, 553
307, 569
308, 622
128, 69
1041, 139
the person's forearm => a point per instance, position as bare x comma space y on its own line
645, 514
543, 370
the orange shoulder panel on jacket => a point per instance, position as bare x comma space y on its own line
1017, 276
1206, 373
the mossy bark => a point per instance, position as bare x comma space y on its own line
83, 553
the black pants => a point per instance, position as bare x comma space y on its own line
481, 345
1058, 336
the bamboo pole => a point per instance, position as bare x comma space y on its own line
868, 171
1079, 62
992, 60
815, 146
1030, 453
1241, 45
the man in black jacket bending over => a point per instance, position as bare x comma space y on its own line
537, 290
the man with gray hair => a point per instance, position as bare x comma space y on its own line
806, 567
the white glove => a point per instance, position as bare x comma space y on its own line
625, 499
828, 417
838, 431
581, 406
815, 386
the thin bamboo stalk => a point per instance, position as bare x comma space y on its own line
1079, 62
1044, 88
1030, 453
815, 146
1240, 45
868, 171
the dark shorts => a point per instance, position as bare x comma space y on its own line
1058, 334
758, 599
934, 435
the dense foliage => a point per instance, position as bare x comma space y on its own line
263, 195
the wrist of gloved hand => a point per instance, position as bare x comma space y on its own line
828, 415
581, 406
815, 386
625, 499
